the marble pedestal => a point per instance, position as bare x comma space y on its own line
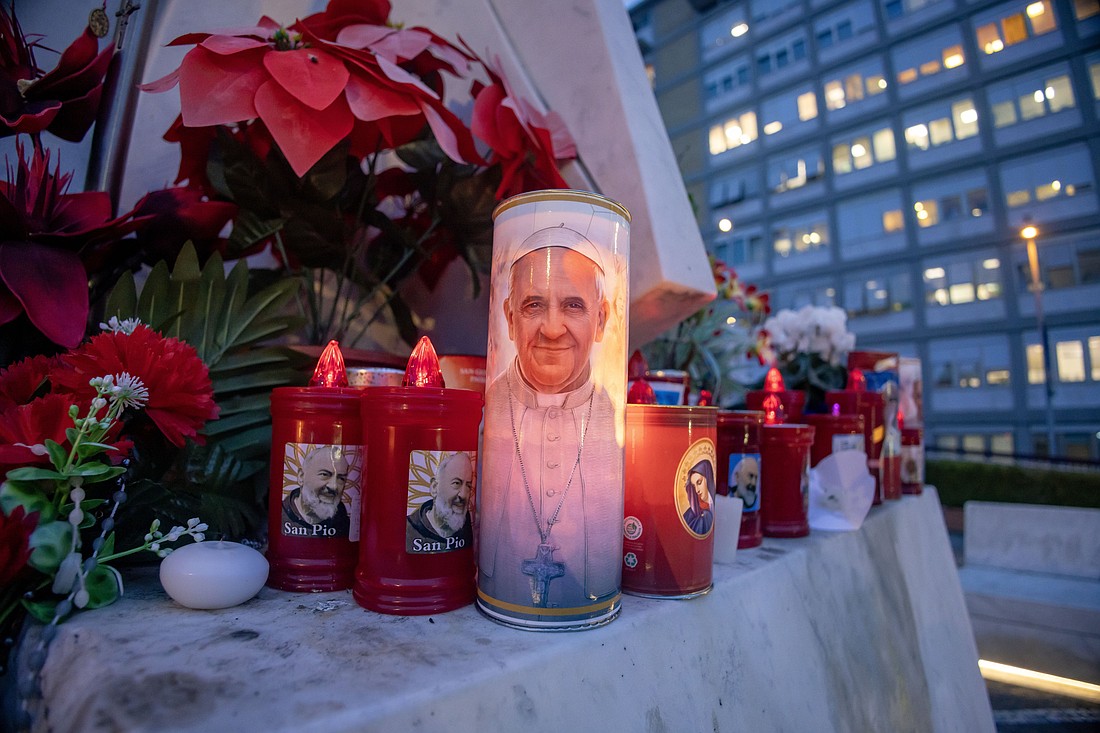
859, 631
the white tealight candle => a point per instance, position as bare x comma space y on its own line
213, 574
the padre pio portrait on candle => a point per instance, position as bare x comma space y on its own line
441, 494
551, 486
744, 479
320, 491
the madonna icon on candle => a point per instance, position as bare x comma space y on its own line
550, 543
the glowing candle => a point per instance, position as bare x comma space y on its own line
778, 403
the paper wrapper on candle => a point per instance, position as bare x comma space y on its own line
550, 538
841, 491
668, 529
785, 479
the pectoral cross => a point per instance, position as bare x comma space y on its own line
542, 570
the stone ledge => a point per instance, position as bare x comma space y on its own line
838, 631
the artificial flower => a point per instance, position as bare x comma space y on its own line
44, 230
20, 382
16, 529
24, 430
63, 101
180, 392
526, 143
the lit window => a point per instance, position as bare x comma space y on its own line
1004, 114
1041, 17
953, 57
1035, 371
1048, 190
1071, 361
842, 159
997, 377
834, 93
861, 153
1085, 8
807, 106
934, 273
1059, 93
917, 136
965, 118
773, 127
892, 221
940, 132
1018, 198
734, 133
1094, 357
876, 84
989, 39
739, 30
962, 293
1013, 29
907, 75
1032, 104
884, 145
927, 213
928, 68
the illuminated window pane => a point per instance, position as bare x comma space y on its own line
1004, 114
783, 244
1070, 357
807, 106
996, 377
989, 39
861, 153
917, 137
965, 118
834, 95
962, 293
977, 201
1032, 104
927, 213
1085, 8
1059, 93
907, 75
1094, 76
1048, 190
953, 57
853, 87
883, 141
1035, 372
717, 140
1094, 357
1014, 29
892, 221
876, 84
928, 68
939, 131
1041, 17
842, 159
1018, 198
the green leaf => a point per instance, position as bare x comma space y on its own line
89, 449
240, 420
123, 300
252, 358
104, 586
244, 403
33, 473
97, 471
58, 455
28, 495
257, 437
211, 295
154, 306
71, 434
265, 378
108, 548
50, 543
42, 611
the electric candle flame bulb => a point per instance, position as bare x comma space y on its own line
330, 371
423, 368
641, 392
773, 382
774, 414
857, 382
637, 367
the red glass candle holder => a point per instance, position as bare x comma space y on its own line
422, 447
871, 406
739, 468
668, 529
785, 479
313, 513
912, 460
793, 402
834, 433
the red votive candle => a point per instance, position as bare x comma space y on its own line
834, 433
791, 401
870, 405
785, 479
668, 529
739, 468
314, 501
416, 555
912, 460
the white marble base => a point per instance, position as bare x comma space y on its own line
859, 631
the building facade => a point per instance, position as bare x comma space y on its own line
883, 156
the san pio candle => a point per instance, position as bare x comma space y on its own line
668, 528
550, 539
416, 555
316, 459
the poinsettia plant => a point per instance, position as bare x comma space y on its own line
70, 427
335, 138
722, 345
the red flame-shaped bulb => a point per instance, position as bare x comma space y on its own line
706, 399
901, 418
423, 369
857, 382
330, 371
637, 367
774, 414
773, 382
641, 393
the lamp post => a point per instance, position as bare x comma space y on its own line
1029, 233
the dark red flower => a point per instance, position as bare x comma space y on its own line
525, 143
21, 381
44, 231
63, 101
15, 547
181, 397
24, 430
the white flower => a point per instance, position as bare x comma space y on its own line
128, 390
126, 326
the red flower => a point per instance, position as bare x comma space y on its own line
20, 381
311, 93
43, 233
525, 143
24, 430
63, 101
15, 547
181, 398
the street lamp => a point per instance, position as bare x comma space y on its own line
1029, 233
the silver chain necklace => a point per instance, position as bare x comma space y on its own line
544, 536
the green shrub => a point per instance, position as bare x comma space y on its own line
961, 481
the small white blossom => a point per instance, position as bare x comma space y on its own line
128, 390
126, 326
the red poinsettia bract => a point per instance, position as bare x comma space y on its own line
526, 143
44, 230
15, 547
63, 101
181, 398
